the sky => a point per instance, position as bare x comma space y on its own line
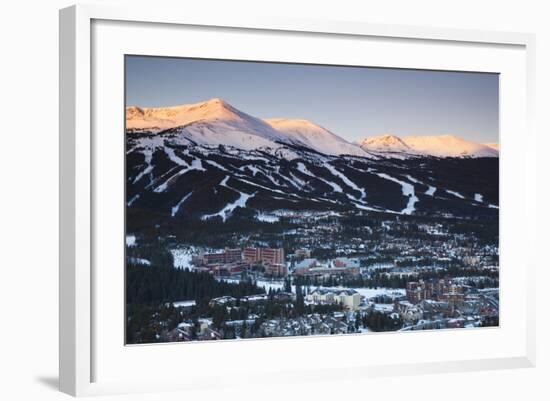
352, 102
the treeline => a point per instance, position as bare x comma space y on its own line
146, 285
379, 321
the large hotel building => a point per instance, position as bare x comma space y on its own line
264, 255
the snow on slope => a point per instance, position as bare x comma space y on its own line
305, 132
216, 122
407, 190
347, 181
176, 116
439, 146
303, 169
494, 146
196, 164
230, 207
430, 191
454, 193
176, 208
213, 122
448, 146
385, 143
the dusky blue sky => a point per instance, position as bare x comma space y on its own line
353, 102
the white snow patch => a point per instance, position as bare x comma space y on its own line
184, 304
430, 191
346, 180
182, 258
478, 198
139, 261
217, 165
230, 207
195, 165
298, 181
130, 240
267, 218
373, 292
144, 172
336, 188
176, 208
407, 189
455, 194
134, 198
175, 158
303, 169
263, 187
255, 170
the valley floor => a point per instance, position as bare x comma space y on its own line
313, 273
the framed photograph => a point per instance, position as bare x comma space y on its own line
249, 191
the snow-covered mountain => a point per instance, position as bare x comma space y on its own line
162, 118
210, 161
215, 122
306, 133
436, 146
493, 145
385, 143
448, 146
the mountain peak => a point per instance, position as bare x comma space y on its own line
216, 100
447, 145
159, 118
384, 143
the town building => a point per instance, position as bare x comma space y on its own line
349, 263
336, 267
264, 255
233, 255
303, 266
302, 253
350, 299
226, 256
276, 269
428, 289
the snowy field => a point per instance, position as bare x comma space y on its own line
182, 257
130, 240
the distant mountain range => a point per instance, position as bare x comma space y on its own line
215, 122
436, 146
212, 162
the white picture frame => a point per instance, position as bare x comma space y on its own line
80, 343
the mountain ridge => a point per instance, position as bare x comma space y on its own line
215, 122
445, 145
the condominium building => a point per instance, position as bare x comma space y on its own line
350, 299
264, 255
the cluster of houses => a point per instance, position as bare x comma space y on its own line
313, 324
425, 305
444, 290
348, 298
335, 267
186, 331
233, 261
